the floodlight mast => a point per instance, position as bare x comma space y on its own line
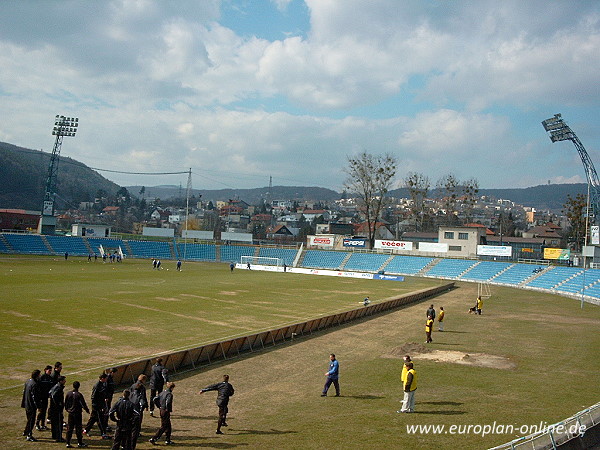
558, 130
63, 126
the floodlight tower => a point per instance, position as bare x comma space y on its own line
558, 130
63, 126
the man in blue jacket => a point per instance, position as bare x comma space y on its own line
332, 376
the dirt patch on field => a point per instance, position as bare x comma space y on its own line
80, 332
127, 328
228, 293
420, 351
168, 299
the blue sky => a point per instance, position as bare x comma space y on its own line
244, 90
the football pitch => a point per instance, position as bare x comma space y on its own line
530, 358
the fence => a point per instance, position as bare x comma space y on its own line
579, 431
197, 357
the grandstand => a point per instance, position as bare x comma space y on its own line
27, 243
553, 277
199, 252
287, 255
407, 265
234, 253
323, 259
517, 274
106, 243
365, 262
150, 249
485, 271
73, 245
450, 268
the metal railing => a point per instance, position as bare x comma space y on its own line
556, 435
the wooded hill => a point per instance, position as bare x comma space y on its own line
23, 173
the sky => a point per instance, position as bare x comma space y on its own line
244, 90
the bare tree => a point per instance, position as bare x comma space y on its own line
370, 177
418, 186
448, 187
470, 190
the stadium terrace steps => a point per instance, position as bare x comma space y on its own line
27, 243
321, 259
552, 277
407, 265
4, 245
484, 271
365, 262
47, 244
450, 268
73, 245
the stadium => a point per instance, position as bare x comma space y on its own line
487, 380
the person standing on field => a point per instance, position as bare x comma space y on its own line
410, 386
441, 319
31, 403
140, 402
123, 413
99, 402
405, 368
45, 383
75, 405
158, 378
431, 312
57, 406
224, 391
428, 329
332, 376
479, 305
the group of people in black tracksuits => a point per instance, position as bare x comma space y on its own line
44, 393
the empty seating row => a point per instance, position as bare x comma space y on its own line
365, 262
287, 255
234, 253
66, 244
27, 243
450, 268
201, 252
323, 259
553, 277
407, 265
517, 274
106, 243
485, 271
579, 282
150, 249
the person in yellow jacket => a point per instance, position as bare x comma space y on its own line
410, 386
428, 329
441, 319
479, 305
404, 368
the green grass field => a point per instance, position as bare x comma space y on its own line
94, 315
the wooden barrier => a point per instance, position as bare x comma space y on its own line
205, 355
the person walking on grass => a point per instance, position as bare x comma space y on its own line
409, 386
428, 329
165, 404
75, 405
99, 402
441, 319
224, 391
45, 383
332, 375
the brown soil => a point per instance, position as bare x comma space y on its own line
420, 351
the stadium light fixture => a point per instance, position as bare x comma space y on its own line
65, 126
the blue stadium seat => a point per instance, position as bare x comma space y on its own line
407, 265
201, 252
234, 253
450, 268
27, 243
323, 259
150, 249
485, 271
106, 243
365, 262
74, 245
553, 277
287, 255
517, 274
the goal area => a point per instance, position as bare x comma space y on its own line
261, 261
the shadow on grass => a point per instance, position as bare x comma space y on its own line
441, 403
453, 331
261, 432
363, 397
184, 416
443, 343
445, 413
192, 441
